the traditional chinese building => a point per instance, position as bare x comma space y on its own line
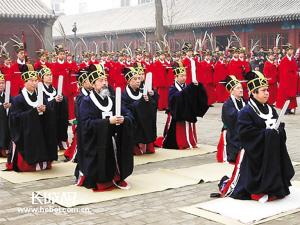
30, 18
251, 21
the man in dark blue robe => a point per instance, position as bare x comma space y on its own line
144, 110
106, 158
229, 145
33, 129
186, 103
4, 129
266, 169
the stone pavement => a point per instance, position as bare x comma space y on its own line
159, 208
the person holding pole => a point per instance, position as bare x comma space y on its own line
263, 169
186, 103
106, 158
32, 126
143, 106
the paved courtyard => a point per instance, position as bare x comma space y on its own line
160, 208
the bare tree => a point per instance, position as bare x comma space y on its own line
160, 29
171, 11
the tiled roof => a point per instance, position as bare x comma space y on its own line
186, 14
24, 9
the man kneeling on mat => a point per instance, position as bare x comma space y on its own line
263, 170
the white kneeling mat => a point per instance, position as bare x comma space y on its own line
231, 211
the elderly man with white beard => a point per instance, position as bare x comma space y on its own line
106, 158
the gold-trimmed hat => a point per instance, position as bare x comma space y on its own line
255, 80
95, 72
82, 77
129, 73
2, 78
44, 71
5, 56
59, 48
28, 73
187, 47
287, 46
230, 82
178, 68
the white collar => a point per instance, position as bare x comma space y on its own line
21, 62
50, 95
178, 86
208, 61
235, 104
289, 57
259, 113
221, 61
84, 92
99, 106
69, 61
241, 59
138, 97
27, 99
234, 59
272, 62
60, 61
43, 63
7, 65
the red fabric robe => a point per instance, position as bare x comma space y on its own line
69, 89
220, 73
271, 73
162, 73
206, 77
16, 80
288, 79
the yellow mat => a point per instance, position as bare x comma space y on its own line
230, 211
166, 154
58, 170
206, 173
140, 184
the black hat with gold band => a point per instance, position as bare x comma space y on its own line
44, 71
287, 46
255, 80
95, 72
82, 77
230, 82
59, 48
178, 69
1, 77
28, 73
187, 47
129, 73
140, 70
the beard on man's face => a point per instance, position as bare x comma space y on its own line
104, 92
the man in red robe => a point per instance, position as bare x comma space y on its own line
16, 81
161, 80
288, 78
42, 61
6, 66
61, 68
206, 77
220, 73
190, 63
271, 73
